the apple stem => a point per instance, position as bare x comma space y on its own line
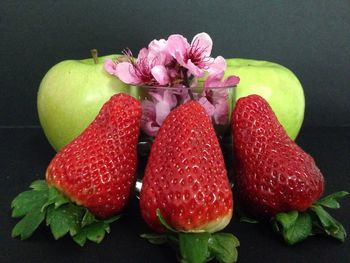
94, 54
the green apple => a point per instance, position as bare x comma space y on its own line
277, 84
70, 96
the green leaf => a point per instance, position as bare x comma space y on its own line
287, 219
243, 217
223, 246
56, 198
94, 232
88, 219
331, 201
64, 219
294, 226
112, 219
28, 224
39, 185
28, 201
157, 239
163, 222
80, 238
194, 247
330, 225
246, 219
61, 215
28, 205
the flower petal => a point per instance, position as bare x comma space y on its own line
126, 73
213, 80
196, 71
217, 66
180, 58
162, 110
231, 81
150, 128
158, 53
216, 80
157, 45
182, 92
177, 46
209, 108
160, 73
170, 98
218, 95
221, 112
204, 42
156, 96
143, 53
148, 122
110, 66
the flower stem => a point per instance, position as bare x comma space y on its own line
94, 54
186, 82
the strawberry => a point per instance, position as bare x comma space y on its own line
185, 189
275, 177
89, 179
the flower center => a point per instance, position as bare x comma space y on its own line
197, 54
143, 71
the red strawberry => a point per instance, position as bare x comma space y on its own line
97, 169
274, 174
186, 176
186, 179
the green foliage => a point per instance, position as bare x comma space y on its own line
62, 216
223, 246
197, 247
331, 201
194, 247
296, 226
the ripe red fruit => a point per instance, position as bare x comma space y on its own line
91, 176
274, 174
185, 177
276, 178
97, 169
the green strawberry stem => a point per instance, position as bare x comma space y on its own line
197, 247
296, 226
44, 202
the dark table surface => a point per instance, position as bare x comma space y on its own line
25, 153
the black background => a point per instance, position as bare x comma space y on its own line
312, 38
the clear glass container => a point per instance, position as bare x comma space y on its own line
157, 102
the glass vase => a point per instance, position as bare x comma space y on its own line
157, 102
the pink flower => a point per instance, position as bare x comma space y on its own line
147, 69
195, 56
177, 64
110, 66
154, 111
158, 51
216, 74
216, 81
215, 94
214, 101
148, 123
209, 108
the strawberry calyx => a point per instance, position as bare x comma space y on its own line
296, 226
196, 247
44, 202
